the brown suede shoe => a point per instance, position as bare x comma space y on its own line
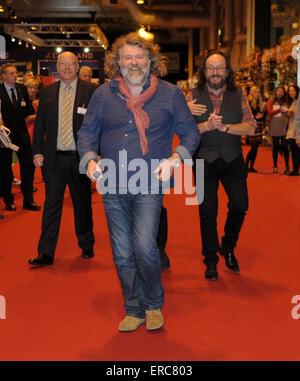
130, 323
155, 320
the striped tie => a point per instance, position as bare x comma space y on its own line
66, 126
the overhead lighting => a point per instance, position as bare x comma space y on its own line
33, 47
1, 8
13, 39
20, 42
86, 50
144, 34
140, 2
59, 49
98, 35
20, 33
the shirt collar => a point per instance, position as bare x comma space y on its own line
9, 87
72, 84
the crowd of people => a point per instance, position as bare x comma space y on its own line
73, 130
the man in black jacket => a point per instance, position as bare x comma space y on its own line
60, 113
15, 106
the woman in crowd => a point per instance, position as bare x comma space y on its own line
293, 92
39, 79
258, 108
32, 89
277, 109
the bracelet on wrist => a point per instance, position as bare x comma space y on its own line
175, 160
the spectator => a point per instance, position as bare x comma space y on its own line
293, 93
86, 73
277, 110
258, 108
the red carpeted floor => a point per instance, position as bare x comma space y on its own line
71, 311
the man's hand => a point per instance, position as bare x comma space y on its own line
215, 122
165, 170
38, 161
196, 109
93, 168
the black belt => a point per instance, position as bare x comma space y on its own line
67, 152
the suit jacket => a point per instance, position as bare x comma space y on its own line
46, 123
14, 117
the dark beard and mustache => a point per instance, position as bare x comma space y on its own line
216, 86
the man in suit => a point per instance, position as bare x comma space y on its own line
15, 106
60, 113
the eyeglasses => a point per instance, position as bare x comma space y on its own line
218, 69
67, 64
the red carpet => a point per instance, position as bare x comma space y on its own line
71, 311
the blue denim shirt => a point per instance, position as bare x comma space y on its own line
108, 120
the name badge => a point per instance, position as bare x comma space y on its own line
81, 110
23, 103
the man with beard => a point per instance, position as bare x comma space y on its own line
227, 118
136, 115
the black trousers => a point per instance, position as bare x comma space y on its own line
252, 154
26, 171
280, 145
295, 150
162, 237
65, 172
233, 177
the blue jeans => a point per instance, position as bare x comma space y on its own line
133, 222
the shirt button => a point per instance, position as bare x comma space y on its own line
126, 135
130, 121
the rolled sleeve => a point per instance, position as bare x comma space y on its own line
85, 160
186, 127
247, 113
184, 154
88, 134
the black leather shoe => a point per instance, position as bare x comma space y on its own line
31, 206
230, 260
88, 253
41, 260
211, 272
252, 170
10, 207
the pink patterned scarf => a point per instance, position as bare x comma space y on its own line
135, 104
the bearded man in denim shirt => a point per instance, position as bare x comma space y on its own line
135, 117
